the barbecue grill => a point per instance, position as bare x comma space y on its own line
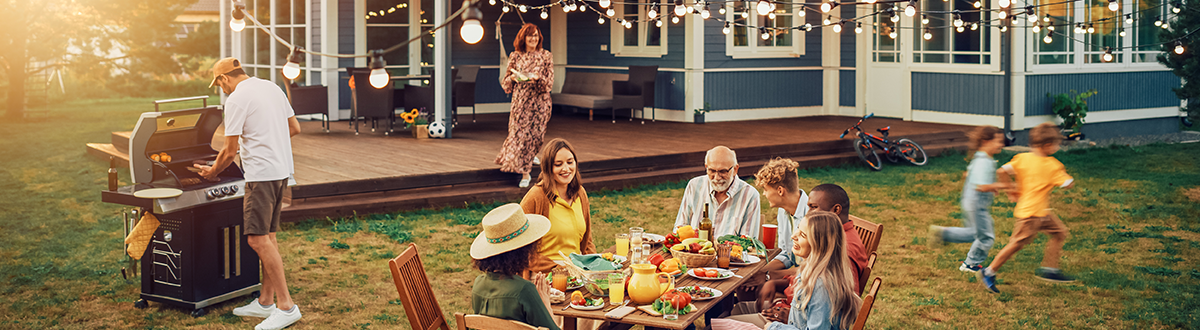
198, 256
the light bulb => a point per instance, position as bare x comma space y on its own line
725, 29
505, 9
1129, 19
895, 18
1113, 5
924, 19
680, 9
1091, 29
957, 20
837, 28
652, 14
379, 76
600, 20
674, 19
1122, 33
1033, 18
910, 10
523, 8
826, 7
1047, 39
721, 10
291, 70
745, 14
858, 28
1158, 22
704, 14
764, 7
960, 29
1002, 14
627, 24
892, 34
492, 2
771, 15
605, 3
928, 35
610, 12
1046, 18
827, 20
1166, 26
871, 1
1003, 28
977, 4
764, 33
801, 12
658, 23
1108, 55
1005, 3
1037, 28
472, 31
808, 27
1050, 28
1173, 10
237, 25
974, 26
544, 14
1179, 49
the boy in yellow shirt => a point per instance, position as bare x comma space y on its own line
1037, 173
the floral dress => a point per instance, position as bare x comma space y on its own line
530, 110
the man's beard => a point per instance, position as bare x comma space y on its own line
721, 185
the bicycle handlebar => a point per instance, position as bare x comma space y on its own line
847, 131
869, 115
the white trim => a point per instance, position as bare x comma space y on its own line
1112, 68
755, 69
1107, 116
693, 62
329, 65
831, 58
752, 50
956, 118
624, 68
759, 113
558, 48
616, 38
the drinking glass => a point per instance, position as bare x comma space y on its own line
560, 279
616, 288
768, 235
635, 236
622, 243
723, 255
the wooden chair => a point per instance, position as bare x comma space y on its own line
481, 322
866, 272
420, 304
868, 302
869, 232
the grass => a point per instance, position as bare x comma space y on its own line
1133, 216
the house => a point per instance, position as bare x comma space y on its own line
891, 68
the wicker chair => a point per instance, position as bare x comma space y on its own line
308, 100
370, 103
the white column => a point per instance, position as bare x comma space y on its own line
1022, 48
862, 52
558, 47
329, 65
693, 64
414, 49
831, 63
441, 61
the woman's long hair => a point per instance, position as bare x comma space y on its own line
546, 179
519, 42
828, 261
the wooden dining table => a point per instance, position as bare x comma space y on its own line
638, 317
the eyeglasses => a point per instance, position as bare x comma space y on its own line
720, 172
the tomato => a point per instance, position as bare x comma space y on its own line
712, 273
681, 300
656, 259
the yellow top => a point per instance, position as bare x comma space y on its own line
1036, 176
566, 229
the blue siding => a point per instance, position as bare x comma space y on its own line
585, 37
714, 48
487, 51
958, 93
346, 20
846, 88
762, 89
487, 87
314, 12
1108, 130
848, 38
1117, 90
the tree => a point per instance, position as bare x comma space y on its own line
90, 35
1186, 65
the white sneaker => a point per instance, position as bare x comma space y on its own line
254, 309
280, 319
536, 161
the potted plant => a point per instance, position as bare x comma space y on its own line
698, 114
418, 121
1072, 108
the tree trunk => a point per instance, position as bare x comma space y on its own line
18, 59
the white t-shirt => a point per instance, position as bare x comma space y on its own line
258, 111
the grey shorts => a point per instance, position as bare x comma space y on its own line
262, 205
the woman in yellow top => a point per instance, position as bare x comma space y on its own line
559, 196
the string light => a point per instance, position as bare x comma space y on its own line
605, 3
472, 30
827, 20
721, 10
1004, 28
1114, 5
1037, 27
808, 27
658, 23
1091, 29
801, 12
858, 28
1158, 21
1176, 7
725, 29
974, 26
1002, 14
238, 22
544, 14
652, 13
1128, 19
763, 32
1166, 26
892, 34
826, 7
928, 34
1046, 18
1005, 3
911, 9
958, 22
627, 24
291, 70
492, 2
1108, 55
924, 19
524, 8
674, 19
704, 14
505, 9
764, 7
960, 29
1122, 33
771, 16
837, 28
978, 4
610, 12
1179, 48
379, 76
680, 9
892, 13
1033, 17
1048, 39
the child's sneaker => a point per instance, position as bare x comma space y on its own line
969, 268
1052, 275
989, 281
254, 309
935, 235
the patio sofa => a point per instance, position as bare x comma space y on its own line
587, 90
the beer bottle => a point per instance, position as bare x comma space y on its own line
706, 225
112, 174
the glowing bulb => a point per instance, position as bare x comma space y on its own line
237, 25
505, 9
291, 70
977, 4
1091, 29
1002, 15
1108, 55
957, 21
1033, 18
960, 29
704, 14
858, 28
911, 9
928, 35
827, 20
1173, 10
1050, 28
837, 28
895, 18
605, 3
674, 19
1004, 28
600, 20
1113, 5
1047, 39
892, 34
523, 8
1158, 22
680, 9
808, 27
826, 7
725, 29
771, 15
1129, 19
472, 31
745, 14
1122, 33
765, 35
721, 10
652, 14
974, 26
764, 7
1166, 26
492, 2
1179, 49
658, 23
379, 76
627, 24
1005, 3
544, 14
924, 19
1037, 28
801, 12
610, 12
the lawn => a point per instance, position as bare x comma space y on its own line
1135, 239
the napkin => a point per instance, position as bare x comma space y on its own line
592, 262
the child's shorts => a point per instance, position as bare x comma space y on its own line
1025, 230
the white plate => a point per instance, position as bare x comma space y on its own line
716, 294
749, 259
653, 238
588, 308
725, 274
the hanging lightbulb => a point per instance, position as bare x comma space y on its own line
892, 34
1077, 29
1113, 5
1050, 28
960, 29
704, 14
1166, 26
1179, 48
1128, 19
523, 8
745, 14
505, 9
1122, 33
1005, 3
858, 28
1037, 28
658, 23
1048, 38
977, 4
924, 19
837, 28
605, 3
1046, 18
1174, 9
1091, 29
492, 2
379, 76
911, 9
1004, 28
763, 32
238, 22
764, 7
600, 20
627, 24
472, 30
827, 20
957, 19
801, 11
928, 34
1158, 21
871, 1
610, 12
674, 19
1002, 14
680, 9
894, 18
828, 6
721, 10
1108, 55
291, 70
725, 29
544, 14
974, 26
652, 13
808, 27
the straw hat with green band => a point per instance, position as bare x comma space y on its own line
508, 228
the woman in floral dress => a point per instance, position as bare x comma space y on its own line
530, 102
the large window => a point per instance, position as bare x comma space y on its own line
948, 43
642, 38
883, 37
388, 23
262, 56
1144, 32
744, 41
1099, 29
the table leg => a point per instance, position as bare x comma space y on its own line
569, 323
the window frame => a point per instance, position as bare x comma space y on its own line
752, 49
617, 45
986, 52
1080, 51
276, 53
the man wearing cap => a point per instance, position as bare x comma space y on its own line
259, 124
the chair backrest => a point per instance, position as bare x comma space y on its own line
869, 232
369, 101
306, 99
591, 83
865, 273
868, 302
420, 304
644, 77
466, 73
483, 322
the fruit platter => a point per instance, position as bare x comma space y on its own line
578, 301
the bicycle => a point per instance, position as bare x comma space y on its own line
866, 143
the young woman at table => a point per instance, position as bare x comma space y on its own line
502, 251
559, 196
825, 293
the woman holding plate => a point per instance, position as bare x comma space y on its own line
529, 78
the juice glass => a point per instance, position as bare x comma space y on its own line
560, 279
616, 288
635, 235
723, 255
622, 243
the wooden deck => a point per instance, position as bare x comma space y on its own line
339, 172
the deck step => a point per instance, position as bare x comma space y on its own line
121, 140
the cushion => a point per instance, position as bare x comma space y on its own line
582, 101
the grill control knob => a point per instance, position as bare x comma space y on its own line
216, 193
233, 188
210, 194
226, 191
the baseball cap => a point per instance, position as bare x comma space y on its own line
224, 66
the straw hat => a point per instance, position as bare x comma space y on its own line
508, 228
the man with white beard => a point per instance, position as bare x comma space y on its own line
733, 204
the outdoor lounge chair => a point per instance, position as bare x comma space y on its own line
416, 295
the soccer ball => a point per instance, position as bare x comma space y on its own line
437, 130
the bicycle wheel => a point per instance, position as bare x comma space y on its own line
912, 152
867, 153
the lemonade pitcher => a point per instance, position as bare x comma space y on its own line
644, 286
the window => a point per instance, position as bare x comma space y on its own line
1135, 20
883, 38
969, 44
743, 42
1060, 49
1144, 32
642, 38
262, 56
387, 22
1105, 33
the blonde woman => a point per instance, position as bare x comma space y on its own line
825, 292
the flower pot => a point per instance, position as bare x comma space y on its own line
699, 118
420, 131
